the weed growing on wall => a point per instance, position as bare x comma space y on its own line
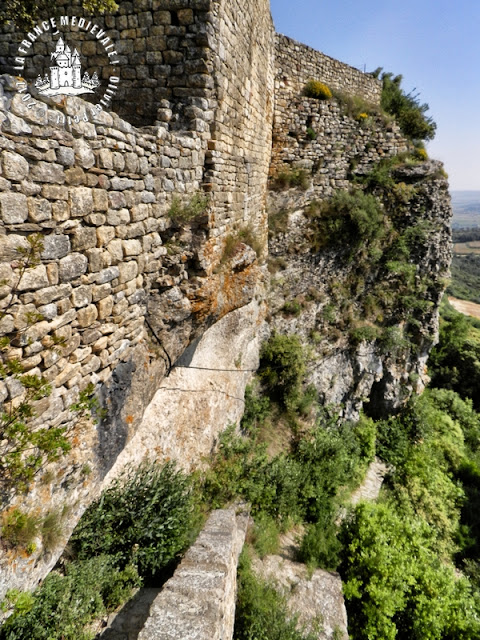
317, 89
24, 450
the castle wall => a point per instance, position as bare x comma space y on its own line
125, 286
296, 63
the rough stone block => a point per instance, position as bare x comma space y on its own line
34, 278
55, 247
39, 209
81, 296
81, 201
87, 315
48, 172
14, 207
72, 266
84, 238
15, 167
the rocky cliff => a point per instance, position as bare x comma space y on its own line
151, 282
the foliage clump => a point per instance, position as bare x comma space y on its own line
181, 212
317, 89
348, 219
64, 604
25, 13
290, 178
409, 112
145, 518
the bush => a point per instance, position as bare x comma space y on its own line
145, 518
394, 584
290, 178
182, 212
61, 607
316, 89
282, 367
348, 218
19, 529
408, 111
320, 546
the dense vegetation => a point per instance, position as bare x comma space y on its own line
25, 13
132, 535
409, 112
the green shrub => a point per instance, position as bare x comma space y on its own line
292, 308
320, 546
265, 535
365, 333
290, 178
394, 584
19, 529
256, 410
282, 367
408, 111
145, 518
61, 607
182, 212
311, 133
278, 222
349, 219
316, 89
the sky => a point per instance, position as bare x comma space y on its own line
434, 44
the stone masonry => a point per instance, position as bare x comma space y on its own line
147, 284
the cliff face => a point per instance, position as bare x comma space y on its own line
366, 304
152, 281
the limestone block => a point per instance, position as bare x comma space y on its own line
131, 247
55, 192
65, 156
96, 260
39, 209
87, 315
13, 207
118, 217
107, 275
15, 167
84, 238
105, 158
50, 294
104, 235
81, 201
48, 172
100, 200
60, 211
34, 278
83, 153
81, 296
72, 266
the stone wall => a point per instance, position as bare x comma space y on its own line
342, 145
124, 283
162, 46
296, 64
198, 602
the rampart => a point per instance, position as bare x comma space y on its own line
296, 63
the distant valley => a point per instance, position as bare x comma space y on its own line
466, 209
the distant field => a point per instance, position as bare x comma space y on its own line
466, 208
464, 248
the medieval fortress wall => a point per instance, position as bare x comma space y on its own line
192, 114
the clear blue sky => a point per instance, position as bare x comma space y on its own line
434, 44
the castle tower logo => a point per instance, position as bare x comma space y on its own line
62, 73
66, 74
